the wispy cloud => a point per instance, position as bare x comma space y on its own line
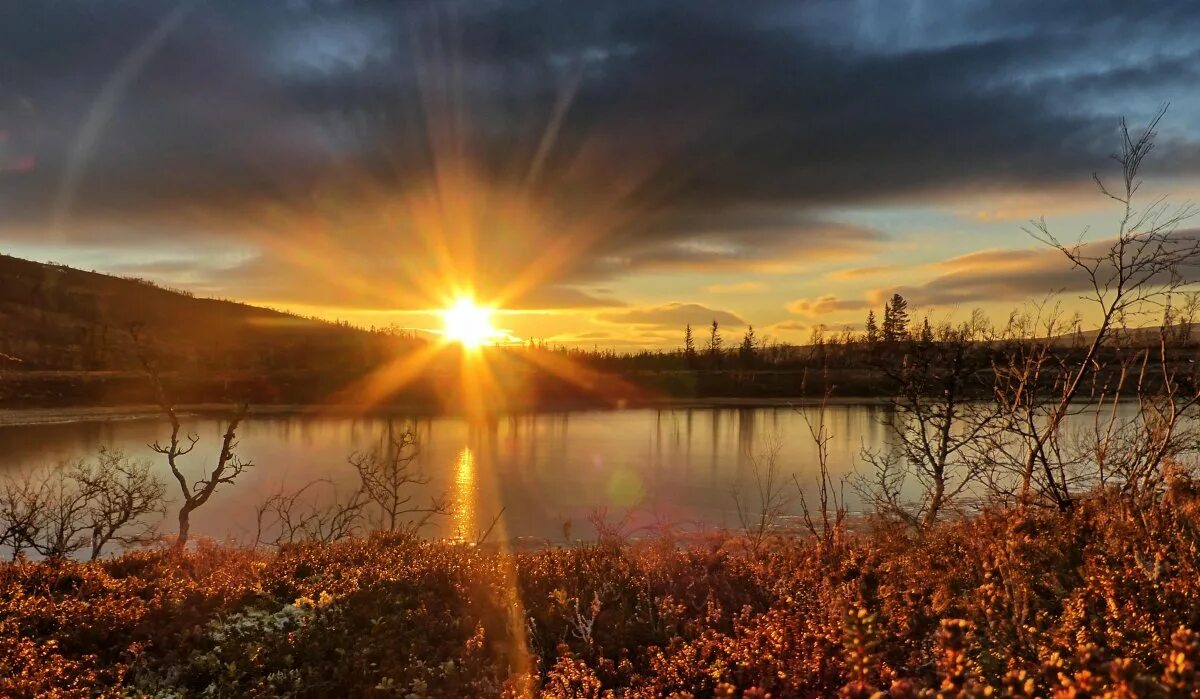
824, 305
736, 288
860, 272
674, 316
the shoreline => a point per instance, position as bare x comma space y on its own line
28, 417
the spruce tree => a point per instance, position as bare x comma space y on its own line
689, 347
715, 344
872, 329
749, 345
895, 319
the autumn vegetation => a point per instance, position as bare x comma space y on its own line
1012, 602
1032, 531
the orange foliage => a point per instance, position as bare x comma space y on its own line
1101, 603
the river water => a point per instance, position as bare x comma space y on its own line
548, 472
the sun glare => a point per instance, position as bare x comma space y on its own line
468, 324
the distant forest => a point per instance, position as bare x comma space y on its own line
69, 337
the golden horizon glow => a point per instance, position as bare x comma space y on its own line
468, 324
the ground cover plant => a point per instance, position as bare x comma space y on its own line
1102, 601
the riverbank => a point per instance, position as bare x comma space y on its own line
510, 388
1001, 605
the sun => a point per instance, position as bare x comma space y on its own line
468, 324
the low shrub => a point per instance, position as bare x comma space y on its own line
1012, 603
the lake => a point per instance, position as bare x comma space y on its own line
544, 470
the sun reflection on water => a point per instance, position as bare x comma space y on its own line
466, 492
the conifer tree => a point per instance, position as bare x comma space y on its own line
715, 344
895, 319
748, 348
872, 329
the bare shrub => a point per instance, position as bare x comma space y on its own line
831, 501
124, 492
760, 513
936, 423
1040, 383
611, 532
20, 511
1133, 450
387, 477
71, 507
302, 516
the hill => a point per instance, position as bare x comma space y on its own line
57, 318
67, 337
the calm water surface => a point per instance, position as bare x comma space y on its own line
678, 465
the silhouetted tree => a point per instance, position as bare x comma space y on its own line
228, 467
936, 427
895, 319
689, 347
872, 329
1040, 388
79, 506
926, 331
715, 344
749, 348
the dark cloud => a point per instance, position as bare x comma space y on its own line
727, 241
993, 276
572, 141
1021, 274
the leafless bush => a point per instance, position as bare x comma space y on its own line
387, 479
936, 423
78, 506
1040, 384
300, 516
388, 476
123, 493
20, 504
612, 532
1131, 450
831, 515
760, 513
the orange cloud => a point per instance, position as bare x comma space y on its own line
824, 305
786, 326
673, 315
859, 272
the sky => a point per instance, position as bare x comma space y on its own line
602, 172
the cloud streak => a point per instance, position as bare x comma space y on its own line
674, 316
1017, 275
